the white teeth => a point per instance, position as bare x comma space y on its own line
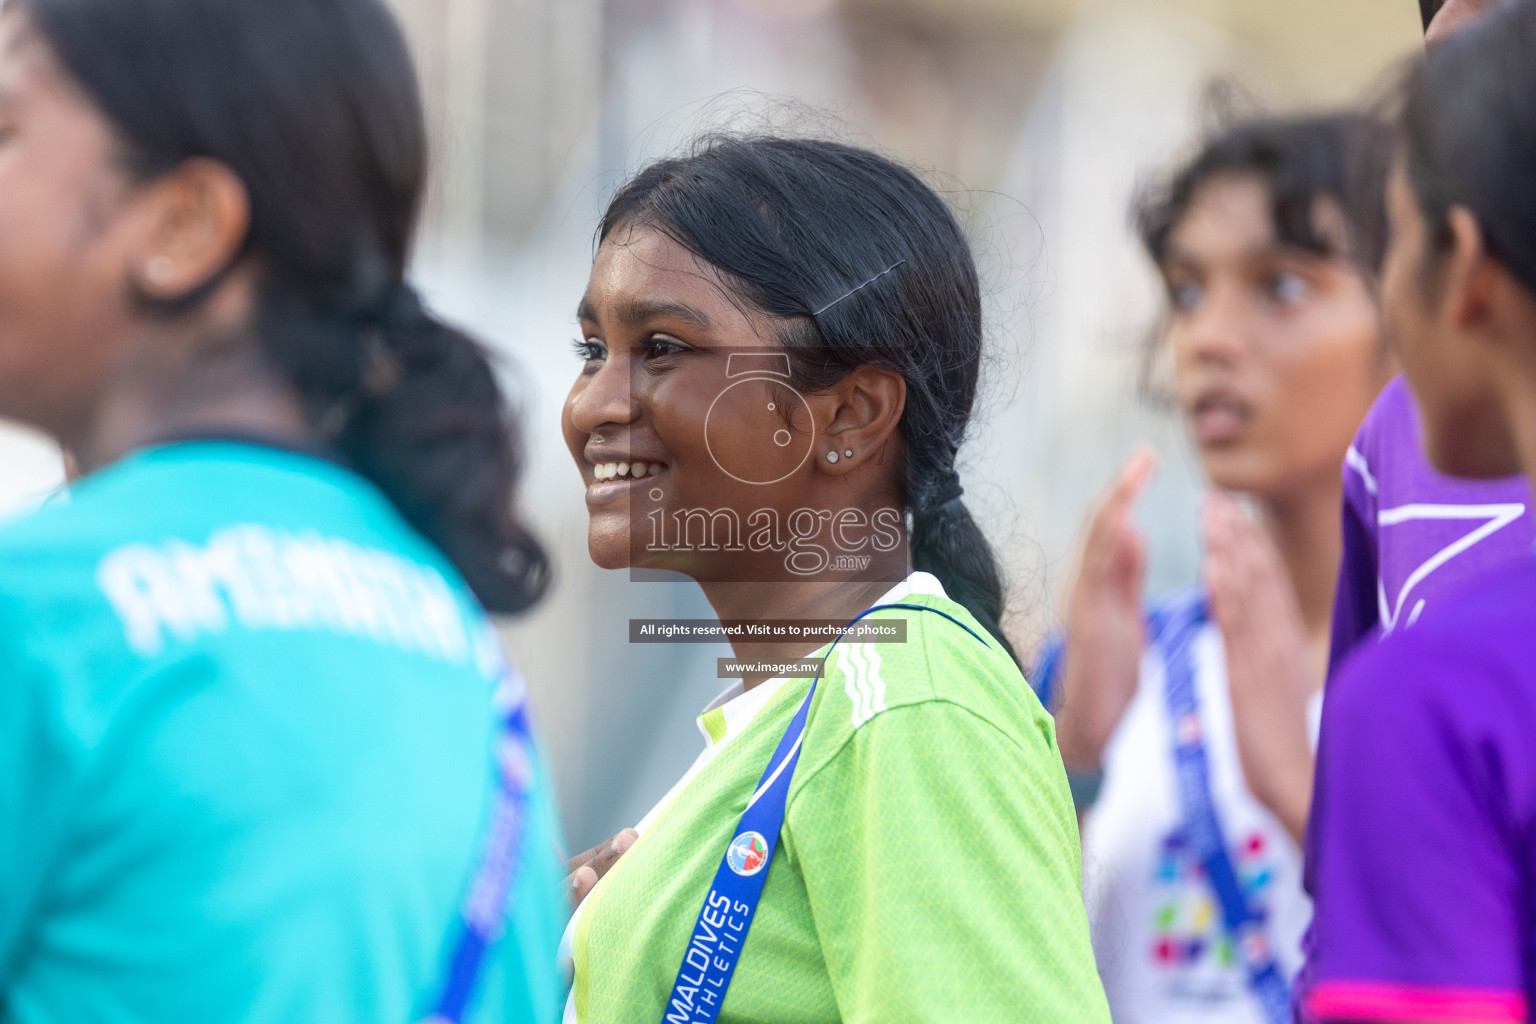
633, 470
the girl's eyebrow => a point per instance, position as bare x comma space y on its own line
1180, 259
633, 311
1177, 260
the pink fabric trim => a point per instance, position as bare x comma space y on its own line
1371, 1001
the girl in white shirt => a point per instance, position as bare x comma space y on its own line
1185, 729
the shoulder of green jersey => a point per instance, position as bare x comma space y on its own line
860, 666
873, 677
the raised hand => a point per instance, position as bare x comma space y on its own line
1269, 670
1105, 632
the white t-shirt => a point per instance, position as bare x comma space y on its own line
1158, 937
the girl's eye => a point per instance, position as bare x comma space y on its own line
589, 350
1185, 295
658, 345
1286, 288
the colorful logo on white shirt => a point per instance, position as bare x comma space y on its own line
747, 854
1187, 928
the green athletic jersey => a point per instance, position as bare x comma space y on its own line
246, 755
928, 868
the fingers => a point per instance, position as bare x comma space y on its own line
1139, 469
1247, 581
581, 882
1235, 569
1125, 554
608, 850
582, 858
1127, 486
1111, 543
1254, 604
1216, 527
587, 868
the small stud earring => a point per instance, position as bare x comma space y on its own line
848, 454
160, 270
832, 457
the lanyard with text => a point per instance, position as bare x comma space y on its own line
715, 945
485, 906
1175, 630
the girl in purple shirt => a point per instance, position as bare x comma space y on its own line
1413, 535
1422, 841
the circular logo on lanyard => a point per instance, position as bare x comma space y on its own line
748, 853
1189, 731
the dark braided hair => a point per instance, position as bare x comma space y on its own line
861, 264
313, 104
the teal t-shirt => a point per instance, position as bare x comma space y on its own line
246, 755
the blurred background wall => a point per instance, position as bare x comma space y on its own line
1038, 118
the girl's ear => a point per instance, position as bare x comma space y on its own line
196, 219
1471, 274
861, 413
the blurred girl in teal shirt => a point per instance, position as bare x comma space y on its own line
251, 767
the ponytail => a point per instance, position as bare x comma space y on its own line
946, 542
313, 104
413, 405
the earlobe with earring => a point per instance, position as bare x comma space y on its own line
160, 270
833, 456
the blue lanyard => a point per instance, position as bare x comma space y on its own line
721, 930
1175, 630
485, 906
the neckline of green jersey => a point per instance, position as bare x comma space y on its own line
732, 717
719, 724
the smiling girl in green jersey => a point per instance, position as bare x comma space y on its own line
781, 345
249, 754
